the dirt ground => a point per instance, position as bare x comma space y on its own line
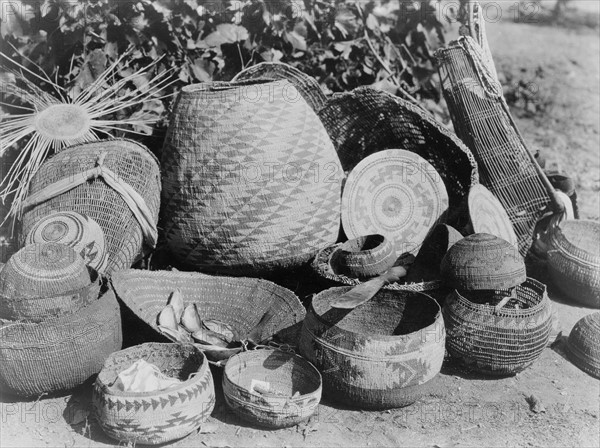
462, 409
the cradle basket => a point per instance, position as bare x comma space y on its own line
502, 342
286, 373
251, 180
382, 354
583, 345
152, 418
114, 182
58, 354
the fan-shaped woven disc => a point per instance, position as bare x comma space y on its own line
78, 231
395, 193
489, 216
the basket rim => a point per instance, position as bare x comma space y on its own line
570, 250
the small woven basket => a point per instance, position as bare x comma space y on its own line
59, 354
152, 418
382, 354
114, 182
499, 342
574, 260
237, 301
583, 345
483, 261
365, 256
366, 121
43, 281
291, 387
308, 86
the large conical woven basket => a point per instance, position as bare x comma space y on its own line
58, 354
382, 354
306, 85
366, 121
291, 387
237, 301
583, 345
93, 174
499, 342
152, 418
251, 180
43, 281
574, 260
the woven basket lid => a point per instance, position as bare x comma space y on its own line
483, 261
43, 269
75, 230
488, 215
395, 193
584, 344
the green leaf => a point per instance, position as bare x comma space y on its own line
225, 33
297, 41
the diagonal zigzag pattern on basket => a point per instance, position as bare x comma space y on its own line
226, 204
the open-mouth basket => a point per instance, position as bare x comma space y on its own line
152, 418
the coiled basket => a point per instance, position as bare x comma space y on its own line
382, 354
151, 418
251, 181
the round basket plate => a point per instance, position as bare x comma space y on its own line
78, 231
488, 215
395, 193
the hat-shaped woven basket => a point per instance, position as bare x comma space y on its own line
574, 260
381, 354
237, 301
501, 341
152, 418
114, 182
78, 231
58, 354
46, 280
583, 345
271, 388
251, 180
366, 121
483, 261
306, 85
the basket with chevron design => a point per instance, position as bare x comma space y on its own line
251, 180
498, 340
152, 418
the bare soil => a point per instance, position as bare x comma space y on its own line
462, 409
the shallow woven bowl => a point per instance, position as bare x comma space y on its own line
58, 354
574, 260
237, 301
382, 354
281, 372
584, 344
483, 261
365, 256
46, 280
499, 342
151, 418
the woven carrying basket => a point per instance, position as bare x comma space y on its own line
326, 268
483, 261
482, 120
382, 354
284, 374
59, 354
43, 281
574, 260
251, 180
237, 301
502, 342
366, 121
152, 418
583, 345
366, 256
308, 86
133, 166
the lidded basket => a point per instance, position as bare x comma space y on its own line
251, 180
583, 345
483, 261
